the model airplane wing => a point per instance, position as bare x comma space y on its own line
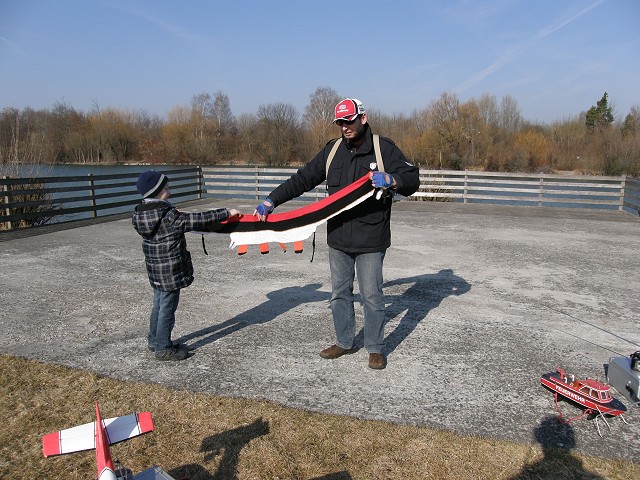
83, 437
295, 225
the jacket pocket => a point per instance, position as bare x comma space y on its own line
374, 217
333, 176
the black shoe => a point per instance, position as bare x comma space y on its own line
172, 353
173, 344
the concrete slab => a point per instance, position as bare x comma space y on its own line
481, 301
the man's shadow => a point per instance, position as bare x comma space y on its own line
557, 439
279, 302
425, 292
228, 446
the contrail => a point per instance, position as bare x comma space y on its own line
477, 77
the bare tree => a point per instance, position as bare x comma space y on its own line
471, 127
202, 108
567, 143
447, 137
221, 112
510, 117
318, 114
488, 110
279, 130
247, 127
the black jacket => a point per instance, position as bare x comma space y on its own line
367, 227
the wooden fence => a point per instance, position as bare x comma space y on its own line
540, 190
30, 201
596, 192
251, 182
40, 200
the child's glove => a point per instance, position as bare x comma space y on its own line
381, 180
264, 209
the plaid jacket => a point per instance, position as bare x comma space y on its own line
162, 228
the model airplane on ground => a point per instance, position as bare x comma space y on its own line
99, 435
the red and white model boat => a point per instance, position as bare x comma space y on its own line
593, 396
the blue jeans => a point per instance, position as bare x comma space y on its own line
368, 267
163, 318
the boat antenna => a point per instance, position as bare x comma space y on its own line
594, 326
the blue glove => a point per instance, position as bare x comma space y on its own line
264, 209
381, 180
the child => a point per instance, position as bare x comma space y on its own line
168, 261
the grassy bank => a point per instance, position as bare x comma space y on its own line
204, 437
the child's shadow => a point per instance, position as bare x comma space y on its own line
279, 302
425, 292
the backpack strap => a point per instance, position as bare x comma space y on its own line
376, 149
332, 154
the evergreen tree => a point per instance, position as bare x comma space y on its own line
600, 116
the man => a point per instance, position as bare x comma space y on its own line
357, 238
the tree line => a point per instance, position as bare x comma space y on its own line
480, 134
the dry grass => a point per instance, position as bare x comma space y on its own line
206, 437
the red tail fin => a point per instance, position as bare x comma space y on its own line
103, 453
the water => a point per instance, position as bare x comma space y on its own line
127, 192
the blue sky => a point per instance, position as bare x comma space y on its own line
555, 57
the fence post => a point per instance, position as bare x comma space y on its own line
540, 188
92, 192
464, 192
623, 186
5, 188
200, 181
257, 173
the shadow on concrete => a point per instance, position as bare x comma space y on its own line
278, 303
557, 440
229, 444
425, 292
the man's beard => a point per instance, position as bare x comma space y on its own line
356, 141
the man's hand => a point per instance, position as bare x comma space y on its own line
264, 209
382, 180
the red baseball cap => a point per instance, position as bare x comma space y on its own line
348, 109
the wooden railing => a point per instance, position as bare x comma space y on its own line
251, 182
632, 194
31, 200
614, 193
38, 200
534, 190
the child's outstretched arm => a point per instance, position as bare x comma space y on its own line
186, 222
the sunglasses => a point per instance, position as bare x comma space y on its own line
340, 123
